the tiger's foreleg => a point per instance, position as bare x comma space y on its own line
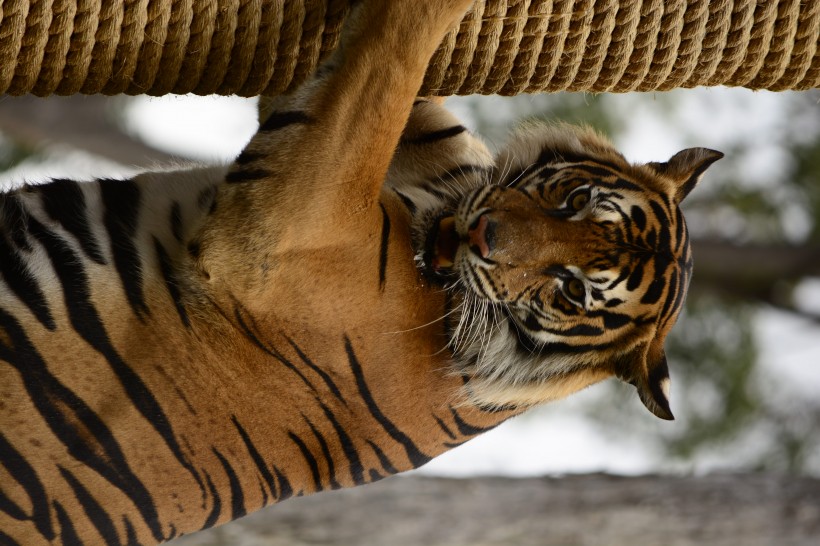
318, 162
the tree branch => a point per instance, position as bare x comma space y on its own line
754, 264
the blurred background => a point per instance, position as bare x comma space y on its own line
744, 357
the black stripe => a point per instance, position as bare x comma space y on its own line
354, 463
96, 514
323, 374
9, 508
323, 445
176, 221
464, 428
480, 196
519, 180
660, 214
247, 157
476, 284
80, 429
194, 249
638, 216
675, 297
24, 474
263, 491
656, 288
613, 321
171, 283
285, 489
270, 351
566, 348
614, 302
89, 326
237, 495
387, 466
280, 120
309, 459
681, 236
579, 330
634, 221
434, 136
121, 201
440, 193
636, 276
19, 279
416, 457
489, 280
216, 509
131, 533
256, 457
68, 535
499, 409
619, 183
408, 203
597, 168
622, 276
549, 156
525, 344
445, 428
247, 175
383, 248
64, 202
664, 234
206, 199
14, 217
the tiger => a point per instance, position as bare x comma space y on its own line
365, 287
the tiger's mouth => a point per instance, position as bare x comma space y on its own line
445, 239
442, 245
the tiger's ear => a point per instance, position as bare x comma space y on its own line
686, 168
650, 376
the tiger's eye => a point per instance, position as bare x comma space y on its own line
579, 200
575, 289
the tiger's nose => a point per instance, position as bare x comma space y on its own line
481, 236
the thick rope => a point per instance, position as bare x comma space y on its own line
252, 47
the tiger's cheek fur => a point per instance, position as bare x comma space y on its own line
585, 287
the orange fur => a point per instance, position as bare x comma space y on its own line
276, 330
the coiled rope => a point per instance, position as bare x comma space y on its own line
252, 47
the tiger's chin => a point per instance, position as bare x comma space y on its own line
502, 371
499, 394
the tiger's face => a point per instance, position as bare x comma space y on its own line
571, 266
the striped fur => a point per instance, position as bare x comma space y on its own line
183, 348
523, 338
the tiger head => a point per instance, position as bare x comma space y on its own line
571, 266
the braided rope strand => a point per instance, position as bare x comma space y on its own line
252, 47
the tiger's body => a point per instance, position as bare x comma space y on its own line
364, 288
